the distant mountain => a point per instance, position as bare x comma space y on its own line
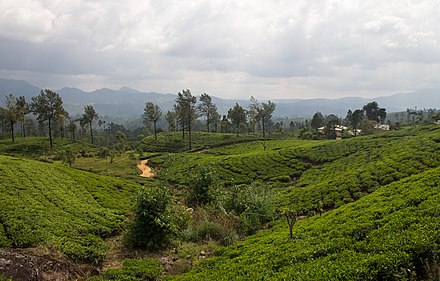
129, 103
17, 88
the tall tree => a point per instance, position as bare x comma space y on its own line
356, 119
152, 114
215, 120
237, 115
171, 118
3, 119
186, 112
48, 106
71, 127
382, 114
264, 114
317, 121
253, 113
12, 113
372, 111
207, 108
23, 108
88, 117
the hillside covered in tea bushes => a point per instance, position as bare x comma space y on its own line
57, 206
391, 234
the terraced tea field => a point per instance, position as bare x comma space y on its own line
57, 206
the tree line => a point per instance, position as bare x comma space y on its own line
49, 111
186, 110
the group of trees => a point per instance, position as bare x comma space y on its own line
186, 111
363, 118
48, 110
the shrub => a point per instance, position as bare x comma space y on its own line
152, 226
253, 204
203, 231
203, 187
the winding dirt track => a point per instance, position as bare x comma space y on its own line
147, 172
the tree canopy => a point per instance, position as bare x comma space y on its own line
48, 106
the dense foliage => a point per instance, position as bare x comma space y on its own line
152, 226
57, 206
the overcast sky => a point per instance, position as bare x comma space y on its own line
231, 49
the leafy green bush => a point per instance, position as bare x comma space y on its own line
203, 187
253, 204
152, 226
133, 270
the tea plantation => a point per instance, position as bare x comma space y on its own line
57, 206
391, 234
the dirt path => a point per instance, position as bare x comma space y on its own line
147, 172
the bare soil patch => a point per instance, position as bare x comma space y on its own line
146, 170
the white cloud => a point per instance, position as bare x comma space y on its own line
286, 48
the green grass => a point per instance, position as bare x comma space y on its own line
56, 206
382, 236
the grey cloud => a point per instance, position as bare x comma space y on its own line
325, 46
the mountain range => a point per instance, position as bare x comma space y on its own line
129, 103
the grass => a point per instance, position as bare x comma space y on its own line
60, 207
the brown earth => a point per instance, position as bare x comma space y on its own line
147, 172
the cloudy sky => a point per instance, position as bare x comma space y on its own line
231, 49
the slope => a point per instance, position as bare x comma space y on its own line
389, 234
56, 206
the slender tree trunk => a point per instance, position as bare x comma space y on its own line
189, 135
50, 134
238, 129
24, 130
207, 122
155, 134
12, 131
91, 131
264, 132
183, 130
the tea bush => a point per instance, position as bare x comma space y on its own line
133, 270
152, 226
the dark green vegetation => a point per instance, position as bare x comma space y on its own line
133, 270
152, 227
57, 206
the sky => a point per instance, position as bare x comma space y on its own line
272, 49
